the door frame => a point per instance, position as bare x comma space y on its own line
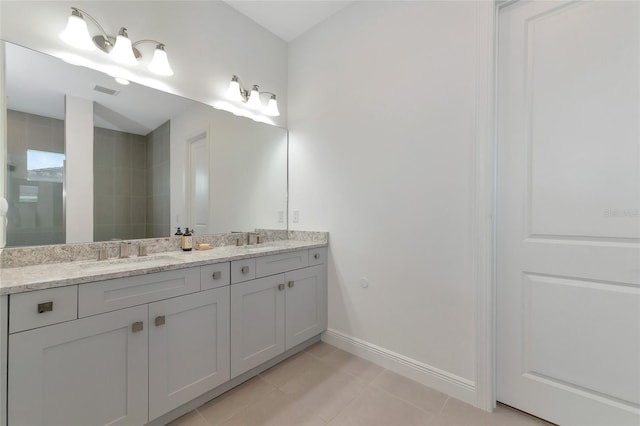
484, 197
199, 136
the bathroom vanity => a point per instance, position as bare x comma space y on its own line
144, 340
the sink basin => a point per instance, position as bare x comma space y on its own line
259, 247
132, 261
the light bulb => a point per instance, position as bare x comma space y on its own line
160, 64
123, 51
76, 33
234, 92
254, 99
272, 107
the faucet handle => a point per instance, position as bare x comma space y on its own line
124, 249
251, 239
103, 254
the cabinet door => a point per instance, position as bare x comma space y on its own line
305, 304
188, 348
257, 322
91, 371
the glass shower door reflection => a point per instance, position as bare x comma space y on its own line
35, 176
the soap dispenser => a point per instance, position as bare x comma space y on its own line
187, 240
178, 232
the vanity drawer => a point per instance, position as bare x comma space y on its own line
243, 270
104, 296
214, 276
278, 263
317, 256
42, 307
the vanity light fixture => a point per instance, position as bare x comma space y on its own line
122, 51
76, 33
119, 48
235, 92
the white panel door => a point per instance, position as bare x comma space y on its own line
188, 348
568, 257
91, 371
257, 322
199, 183
304, 305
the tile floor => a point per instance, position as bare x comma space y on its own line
327, 386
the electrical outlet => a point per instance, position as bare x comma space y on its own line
280, 216
296, 216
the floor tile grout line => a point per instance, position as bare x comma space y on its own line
446, 401
347, 405
434, 413
202, 417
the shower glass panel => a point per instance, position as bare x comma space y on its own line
35, 177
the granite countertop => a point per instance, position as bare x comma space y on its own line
38, 277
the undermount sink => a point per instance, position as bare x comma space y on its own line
118, 263
259, 247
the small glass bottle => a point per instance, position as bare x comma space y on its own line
187, 240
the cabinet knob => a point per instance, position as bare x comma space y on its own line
137, 326
244, 269
280, 287
290, 284
160, 320
316, 256
45, 307
217, 275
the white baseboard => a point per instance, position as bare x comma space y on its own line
435, 378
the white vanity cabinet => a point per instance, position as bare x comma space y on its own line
126, 366
272, 314
91, 371
188, 348
145, 348
305, 305
257, 322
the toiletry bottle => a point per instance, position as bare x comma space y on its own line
187, 240
178, 232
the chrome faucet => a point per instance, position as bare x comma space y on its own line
250, 238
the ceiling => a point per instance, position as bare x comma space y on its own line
288, 19
37, 84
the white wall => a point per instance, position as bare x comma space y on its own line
206, 41
382, 115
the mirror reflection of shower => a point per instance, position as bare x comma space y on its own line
35, 179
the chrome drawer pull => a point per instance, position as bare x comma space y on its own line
290, 284
316, 256
217, 275
244, 270
280, 287
160, 320
45, 307
137, 326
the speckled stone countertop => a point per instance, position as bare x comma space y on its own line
43, 276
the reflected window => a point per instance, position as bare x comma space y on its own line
43, 166
28, 194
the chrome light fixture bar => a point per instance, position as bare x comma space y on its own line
119, 48
251, 98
